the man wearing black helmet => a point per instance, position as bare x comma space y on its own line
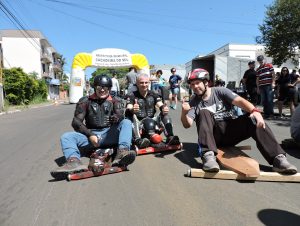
249, 80
141, 104
98, 122
219, 126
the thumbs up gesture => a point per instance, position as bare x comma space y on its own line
136, 106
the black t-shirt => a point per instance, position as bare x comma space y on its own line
294, 77
250, 75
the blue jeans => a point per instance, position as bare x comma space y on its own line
267, 97
119, 135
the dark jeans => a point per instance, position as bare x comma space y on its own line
267, 96
213, 134
252, 92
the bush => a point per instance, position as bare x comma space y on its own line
14, 85
21, 88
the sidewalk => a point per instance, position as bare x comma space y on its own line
15, 109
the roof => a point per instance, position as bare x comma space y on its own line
25, 34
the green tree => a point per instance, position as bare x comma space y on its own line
280, 31
42, 89
15, 85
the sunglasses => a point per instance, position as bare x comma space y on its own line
100, 88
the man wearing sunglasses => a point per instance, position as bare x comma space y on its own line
98, 123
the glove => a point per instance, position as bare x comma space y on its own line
114, 119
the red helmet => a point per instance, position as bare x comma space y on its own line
156, 138
198, 74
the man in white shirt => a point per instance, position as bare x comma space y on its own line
115, 89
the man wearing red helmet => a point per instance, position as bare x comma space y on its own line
219, 126
141, 105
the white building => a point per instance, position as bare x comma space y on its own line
31, 51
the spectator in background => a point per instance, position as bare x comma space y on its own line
295, 125
154, 82
286, 90
265, 80
115, 89
174, 82
295, 77
249, 81
164, 91
219, 82
131, 77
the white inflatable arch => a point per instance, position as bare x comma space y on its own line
105, 58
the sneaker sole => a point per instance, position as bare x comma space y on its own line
62, 175
127, 159
211, 170
285, 171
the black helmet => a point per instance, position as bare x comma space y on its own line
149, 126
260, 58
102, 80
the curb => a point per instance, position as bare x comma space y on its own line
40, 106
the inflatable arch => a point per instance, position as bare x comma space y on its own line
108, 58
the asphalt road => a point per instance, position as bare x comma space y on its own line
153, 192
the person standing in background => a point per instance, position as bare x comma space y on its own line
115, 89
174, 82
131, 77
164, 91
249, 80
265, 80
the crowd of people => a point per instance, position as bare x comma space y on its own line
105, 120
263, 85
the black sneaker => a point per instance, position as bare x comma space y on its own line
142, 142
124, 157
172, 140
72, 165
281, 165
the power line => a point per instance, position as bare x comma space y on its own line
19, 25
155, 14
160, 23
117, 31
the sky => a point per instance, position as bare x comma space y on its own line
165, 31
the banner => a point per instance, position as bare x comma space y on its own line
111, 58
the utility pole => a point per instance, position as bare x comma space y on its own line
1, 89
1, 79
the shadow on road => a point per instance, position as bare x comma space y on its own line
189, 154
277, 217
293, 152
291, 147
281, 122
163, 154
60, 161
